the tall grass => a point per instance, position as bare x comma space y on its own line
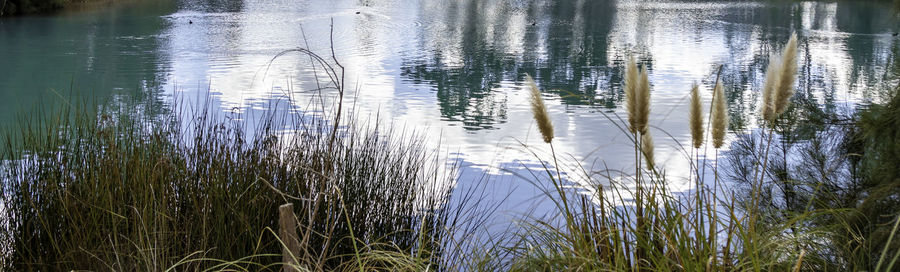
633, 222
122, 191
619, 227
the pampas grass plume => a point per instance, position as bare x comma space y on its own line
540, 111
780, 76
719, 116
643, 102
772, 74
632, 82
784, 87
696, 117
647, 148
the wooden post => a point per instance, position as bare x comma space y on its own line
287, 232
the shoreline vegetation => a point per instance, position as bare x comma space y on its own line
11, 8
101, 188
118, 190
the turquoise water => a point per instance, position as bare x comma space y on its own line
454, 69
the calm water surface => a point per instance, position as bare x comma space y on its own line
454, 69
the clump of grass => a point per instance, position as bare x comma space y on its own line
776, 97
658, 230
607, 225
122, 191
655, 231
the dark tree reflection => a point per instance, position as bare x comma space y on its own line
573, 63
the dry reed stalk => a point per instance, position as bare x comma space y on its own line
784, 87
632, 80
719, 116
540, 111
287, 232
696, 117
799, 261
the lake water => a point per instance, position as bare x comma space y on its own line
454, 69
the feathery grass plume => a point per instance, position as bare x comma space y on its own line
784, 87
696, 117
540, 110
719, 116
647, 148
643, 101
772, 74
632, 80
